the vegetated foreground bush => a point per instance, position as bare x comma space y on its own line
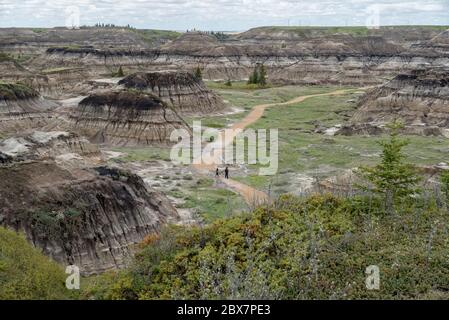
25, 273
312, 248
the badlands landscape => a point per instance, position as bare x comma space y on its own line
87, 178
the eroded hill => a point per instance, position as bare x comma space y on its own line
57, 191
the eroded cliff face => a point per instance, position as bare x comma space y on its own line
75, 211
420, 99
33, 41
181, 90
22, 108
291, 56
125, 118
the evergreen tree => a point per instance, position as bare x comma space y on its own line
120, 72
254, 77
228, 83
259, 76
262, 80
198, 74
392, 178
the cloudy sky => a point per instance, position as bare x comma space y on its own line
230, 15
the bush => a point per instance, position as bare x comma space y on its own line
312, 248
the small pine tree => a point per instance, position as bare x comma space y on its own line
254, 76
392, 178
262, 81
198, 73
120, 72
228, 83
258, 76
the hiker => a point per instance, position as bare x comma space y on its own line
217, 173
227, 173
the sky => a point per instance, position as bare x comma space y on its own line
222, 15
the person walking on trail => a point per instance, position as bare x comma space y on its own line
217, 173
227, 173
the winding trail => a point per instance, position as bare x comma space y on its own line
207, 165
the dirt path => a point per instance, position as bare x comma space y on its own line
251, 195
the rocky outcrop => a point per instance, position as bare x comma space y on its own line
66, 148
181, 90
22, 108
32, 41
88, 218
291, 55
78, 212
125, 117
419, 99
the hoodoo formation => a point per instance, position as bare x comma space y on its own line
77, 213
182, 90
22, 108
125, 117
419, 99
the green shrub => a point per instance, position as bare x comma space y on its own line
313, 248
27, 274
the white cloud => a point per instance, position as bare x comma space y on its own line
221, 14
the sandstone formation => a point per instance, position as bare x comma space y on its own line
125, 117
22, 108
90, 216
181, 90
32, 41
63, 147
352, 56
419, 99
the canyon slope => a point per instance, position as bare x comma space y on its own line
420, 99
181, 90
56, 190
23, 108
352, 55
125, 117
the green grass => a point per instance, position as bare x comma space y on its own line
14, 91
352, 30
196, 193
152, 36
39, 30
236, 85
58, 70
209, 202
16, 58
5, 57
318, 155
246, 99
135, 154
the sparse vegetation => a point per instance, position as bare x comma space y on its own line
15, 91
119, 73
301, 150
